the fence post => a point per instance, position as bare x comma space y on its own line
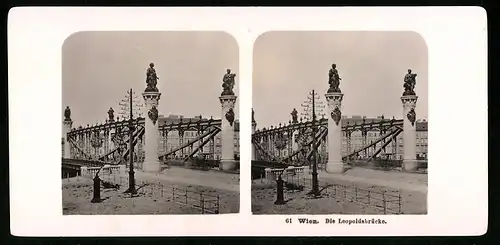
186, 196
385, 203
217, 211
356, 193
369, 197
173, 193
202, 204
399, 202
345, 191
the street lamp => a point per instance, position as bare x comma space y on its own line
315, 185
309, 107
131, 178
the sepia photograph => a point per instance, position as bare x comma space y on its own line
150, 123
340, 123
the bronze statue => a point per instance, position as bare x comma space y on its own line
294, 116
228, 83
111, 115
151, 79
409, 83
67, 114
334, 80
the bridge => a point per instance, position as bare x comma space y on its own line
337, 140
153, 138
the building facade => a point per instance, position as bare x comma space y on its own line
171, 141
393, 150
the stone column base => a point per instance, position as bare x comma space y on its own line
228, 164
83, 171
410, 165
151, 167
123, 169
335, 167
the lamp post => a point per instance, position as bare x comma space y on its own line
131, 177
312, 107
315, 185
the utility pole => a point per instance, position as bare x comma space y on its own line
125, 105
131, 177
308, 106
315, 184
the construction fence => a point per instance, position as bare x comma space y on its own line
203, 202
386, 201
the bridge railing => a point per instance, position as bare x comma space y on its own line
109, 170
386, 164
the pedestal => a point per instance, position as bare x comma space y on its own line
227, 132
66, 129
84, 171
409, 133
151, 134
334, 164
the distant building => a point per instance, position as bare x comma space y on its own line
393, 150
171, 141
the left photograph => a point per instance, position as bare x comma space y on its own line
150, 123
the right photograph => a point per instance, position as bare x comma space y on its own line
340, 123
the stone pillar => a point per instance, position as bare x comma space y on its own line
123, 169
84, 171
227, 132
67, 123
409, 132
151, 134
295, 145
334, 164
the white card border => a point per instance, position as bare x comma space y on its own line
457, 46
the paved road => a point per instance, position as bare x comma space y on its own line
395, 180
214, 179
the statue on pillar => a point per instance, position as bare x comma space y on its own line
228, 83
294, 115
151, 79
253, 116
111, 114
409, 83
334, 80
67, 114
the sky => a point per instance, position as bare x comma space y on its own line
372, 65
98, 68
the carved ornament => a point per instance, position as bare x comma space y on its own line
230, 116
336, 115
